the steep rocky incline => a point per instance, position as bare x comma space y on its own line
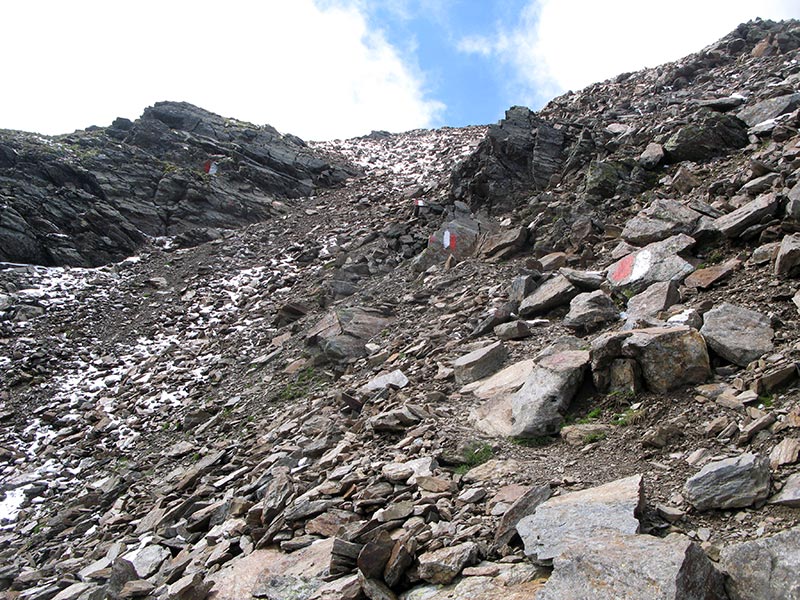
552, 358
95, 196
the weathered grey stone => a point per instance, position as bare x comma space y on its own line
633, 567
785, 453
737, 334
584, 280
787, 263
659, 296
457, 237
655, 262
790, 492
652, 156
577, 435
147, 560
668, 357
190, 587
590, 310
443, 565
396, 420
479, 363
564, 520
538, 407
736, 222
72, 592
516, 330
521, 286
552, 293
765, 568
662, 219
522, 507
730, 483
769, 109
279, 587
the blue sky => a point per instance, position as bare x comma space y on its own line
325, 69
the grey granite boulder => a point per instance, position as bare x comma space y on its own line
538, 407
571, 518
633, 567
737, 334
730, 483
590, 310
765, 568
479, 363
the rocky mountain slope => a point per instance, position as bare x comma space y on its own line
551, 358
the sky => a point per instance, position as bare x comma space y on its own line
327, 69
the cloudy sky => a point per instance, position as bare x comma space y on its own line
324, 69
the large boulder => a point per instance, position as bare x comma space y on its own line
736, 222
765, 568
590, 310
737, 334
662, 219
565, 520
769, 109
538, 407
666, 357
634, 567
730, 483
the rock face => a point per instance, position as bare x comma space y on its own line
95, 196
730, 483
710, 135
564, 520
634, 566
521, 152
764, 568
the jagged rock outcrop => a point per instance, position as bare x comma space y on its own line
95, 196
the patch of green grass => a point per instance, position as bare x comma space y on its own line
299, 386
535, 441
590, 438
475, 454
592, 415
767, 400
629, 417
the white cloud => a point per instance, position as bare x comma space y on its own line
312, 69
568, 44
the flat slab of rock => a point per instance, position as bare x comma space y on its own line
737, 334
538, 407
667, 357
552, 293
655, 262
659, 296
730, 483
789, 494
633, 567
522, 507
662, 219
505, 381
765, 568
479, 363
735, 223
705, 278
769, 109
564, 520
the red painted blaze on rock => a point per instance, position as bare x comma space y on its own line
624, 268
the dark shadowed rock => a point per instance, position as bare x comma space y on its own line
711, 134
